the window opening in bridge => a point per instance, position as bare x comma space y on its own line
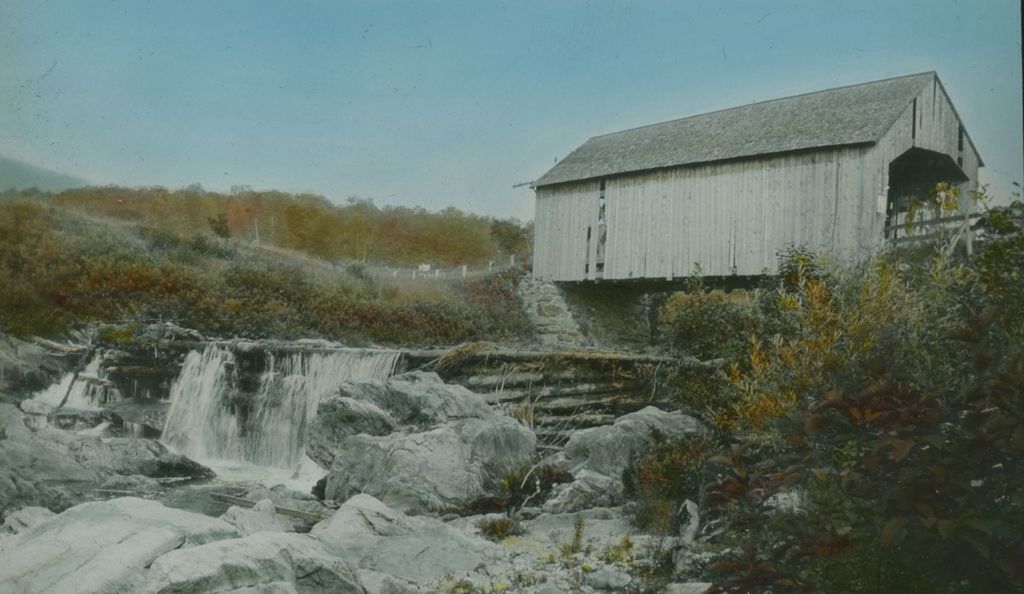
960, 137
912, 176
586, 257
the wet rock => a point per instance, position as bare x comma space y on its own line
125, 455
51, 468
285, 497
101, 546
418, 550
255, 561
73, 419
25, 368
35, 471
444, 469
147, 415
134, 482
24, 518
339, 417
260, 518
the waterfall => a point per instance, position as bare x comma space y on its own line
211, 420
87, 391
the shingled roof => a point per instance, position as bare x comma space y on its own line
856, 114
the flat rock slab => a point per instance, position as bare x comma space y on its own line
417, 549
101, 546
262, 562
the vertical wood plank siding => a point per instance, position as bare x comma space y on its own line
718, 215
734, 217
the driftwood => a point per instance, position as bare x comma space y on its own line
584, 391
284, 511
57, 346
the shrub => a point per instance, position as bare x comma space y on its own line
670, 472
894, 409
707, 325
498, 529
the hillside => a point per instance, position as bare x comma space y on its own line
61, 269
18, 175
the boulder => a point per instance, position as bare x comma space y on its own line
26, 367
339, 417
148, 414
444, 469
282, 496
419, 398
24, 518
587, 490
35, 471
610, 449
261, 517
417, 550
101, 546
261, 562
125, 455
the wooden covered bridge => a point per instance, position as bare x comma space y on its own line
834, 171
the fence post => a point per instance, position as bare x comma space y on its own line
463, 271
512, 260
414, 274
437, 273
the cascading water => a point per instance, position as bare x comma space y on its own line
87, 391
210, 420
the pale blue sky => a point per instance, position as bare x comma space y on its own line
451, 103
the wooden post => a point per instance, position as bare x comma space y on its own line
512, 260
414, 274
437, 273
463, 271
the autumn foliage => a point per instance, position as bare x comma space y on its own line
875, 426
60, 269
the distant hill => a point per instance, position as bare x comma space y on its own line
19, 175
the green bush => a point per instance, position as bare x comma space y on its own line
707, 325
670, 472
892, 410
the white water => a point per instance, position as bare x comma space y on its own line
85, 394
212, 423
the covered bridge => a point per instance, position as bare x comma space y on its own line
833, 171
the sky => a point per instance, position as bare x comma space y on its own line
438, 104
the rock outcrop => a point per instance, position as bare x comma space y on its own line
598, 456
48, 466
101, 546
415, 550
261, 517
448, 449
265, 562
25, 518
